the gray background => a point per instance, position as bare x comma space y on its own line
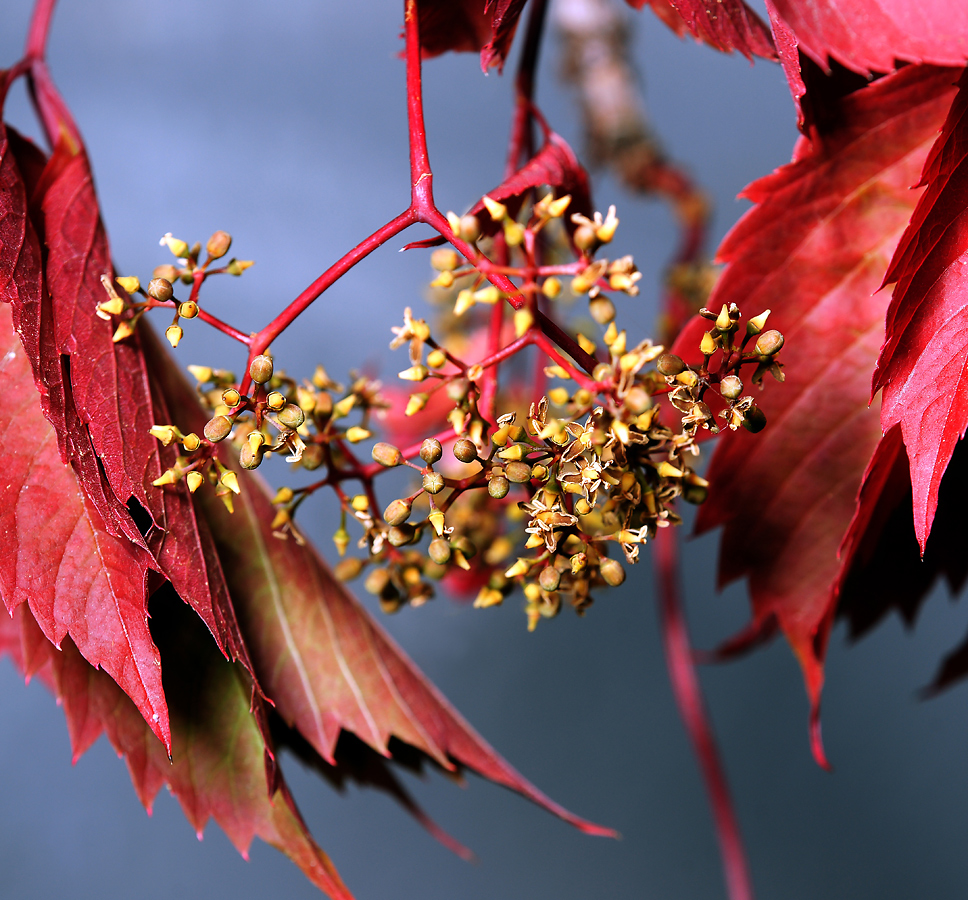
284, 125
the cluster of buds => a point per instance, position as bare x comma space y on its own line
556, 495
160, 291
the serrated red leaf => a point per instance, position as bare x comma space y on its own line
77, 578
922, 370
469, 25
871, 37
726, 25
814, 249
218, 765
317, 653
117, 472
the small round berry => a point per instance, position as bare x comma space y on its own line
517, 472
218, 244
348, 569
755, 419
585, 237
291, 416
444, 259
465, 450
731, 387
498, 487
312, 457
188, 309
612, 571
160, 289
433, 482
231, 397
769, 343
218, 428
260, 369
439, 551
669, 365
549, 579
249, 458
470, 228
276, 401
386, 454
431, 451
167, 272
601, 309
465, 545
401, 535
397, 512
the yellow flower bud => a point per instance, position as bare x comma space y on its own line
173, 333
707, 346
130, 283
497, 210
194, 481
230, 480
357, 433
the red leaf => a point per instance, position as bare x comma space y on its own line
76, 577
727, 25
814, 249
922, 369
870, 37
218, 766
98, 393
469, 25
319, 656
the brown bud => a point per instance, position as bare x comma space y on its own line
439, 551
601, 309
401, 535
498, 487
378, 582
291, 416
769, 343
397, 512
612, 571
731, 387
755, 419
465, 545
431, 451
518, 472
386, 454
465, 450
218, 428
549, 579
249, 458
585, 237
433, 482
470, 228
669, 365
457, 389
695, 493
167, 272
218, 244
312, 457
347, 569
261, 369
160, 289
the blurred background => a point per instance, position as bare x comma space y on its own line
285, 126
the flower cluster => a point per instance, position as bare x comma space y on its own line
551, 484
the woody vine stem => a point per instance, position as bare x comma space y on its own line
592, 473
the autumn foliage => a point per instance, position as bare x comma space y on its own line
844, 504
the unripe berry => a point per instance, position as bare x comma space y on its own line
378, 582
465, 450
465, 545
387, 455
433, 482
518, 472
218, 244
470, 228
731, 387
217, 429
612, 571
347, 569
444, 259
769, 343
755, 420
401, 535
260, 369
188, 309
249, 458
431, 451
160, 289
439, 551
291, 416
276, 401
312, 457
397, 512
602, 309
585, 237
231, 397
549, 579
167, 272
498, 487
669, 365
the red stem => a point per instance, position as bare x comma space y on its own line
36, 45
688, 694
